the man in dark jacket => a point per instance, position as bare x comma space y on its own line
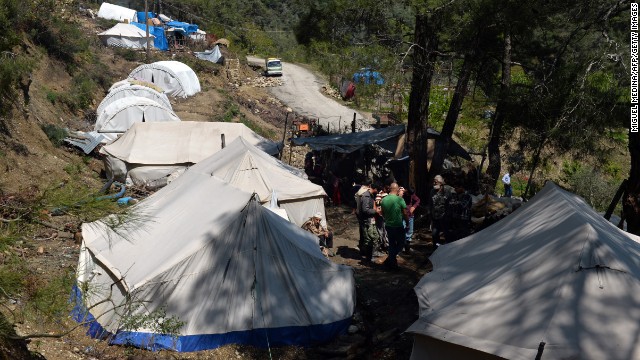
367, 212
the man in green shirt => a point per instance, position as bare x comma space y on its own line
394, 209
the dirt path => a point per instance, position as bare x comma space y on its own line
301, 92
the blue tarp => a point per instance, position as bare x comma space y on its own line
160, 42
185, 27
368, 76
141, 16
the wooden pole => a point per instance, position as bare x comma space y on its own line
146, 22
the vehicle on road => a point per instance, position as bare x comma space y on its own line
273, 66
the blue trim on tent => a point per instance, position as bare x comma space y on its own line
289, 335
160, 41
187, 28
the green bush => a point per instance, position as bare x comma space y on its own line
55, 133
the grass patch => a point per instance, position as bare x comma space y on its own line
55, 134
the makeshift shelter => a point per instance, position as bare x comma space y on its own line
128, 90
183, 27
149, 154
251, 169
386, 138
368, 76
176, 78
125, 36
553, 280
120, 115
210, 256
160, 41
214, 55
116, 12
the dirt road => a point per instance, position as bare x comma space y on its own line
301, 92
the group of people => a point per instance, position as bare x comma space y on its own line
385, 219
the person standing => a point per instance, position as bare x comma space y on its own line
394, 210
367, 215
413, 201
383, 245
459, 212
439, 197
506, 180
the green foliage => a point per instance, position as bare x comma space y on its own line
50, 299
137, 317
12, 279
595, 188
73, 169
63, 39
55, 133
128, 54
439, 101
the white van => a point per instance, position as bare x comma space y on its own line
273, 66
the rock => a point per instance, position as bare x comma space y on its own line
353, 329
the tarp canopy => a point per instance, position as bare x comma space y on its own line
133, 90
368, 76
183, 27
214, 55
213, 258
160, 40
120, 115
116, 12
176, 78
350, 142
553, 273
251, 169
125, 36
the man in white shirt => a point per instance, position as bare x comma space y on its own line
506, 180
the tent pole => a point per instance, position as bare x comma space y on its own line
146, 22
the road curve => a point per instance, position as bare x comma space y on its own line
301, 92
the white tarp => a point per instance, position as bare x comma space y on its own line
149, 152
120, 115
176, 78
552, 272
133, 90
210, 55
116, 12
230, 269
251, 169
125, 36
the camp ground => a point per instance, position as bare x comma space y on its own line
553, 280
208, 254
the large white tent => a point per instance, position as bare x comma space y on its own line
148, 153
176, 78
251, 169
133, 90
120, 115
125, 36
554, 279
117, 12
210, 256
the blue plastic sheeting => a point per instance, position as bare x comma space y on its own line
368, 76
160, 42
141, 16
290, 335
187, 28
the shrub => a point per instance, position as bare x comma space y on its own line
55, 134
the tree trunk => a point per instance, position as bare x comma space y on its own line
442, 142
536, 160
631, 200
495, 164
423, 66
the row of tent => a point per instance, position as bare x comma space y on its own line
131, 31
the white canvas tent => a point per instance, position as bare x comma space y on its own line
125, 36
133, 90
230, 269
120, 115
176, 78
553, 278
150, 152
213, 55
250, 169
116, 12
